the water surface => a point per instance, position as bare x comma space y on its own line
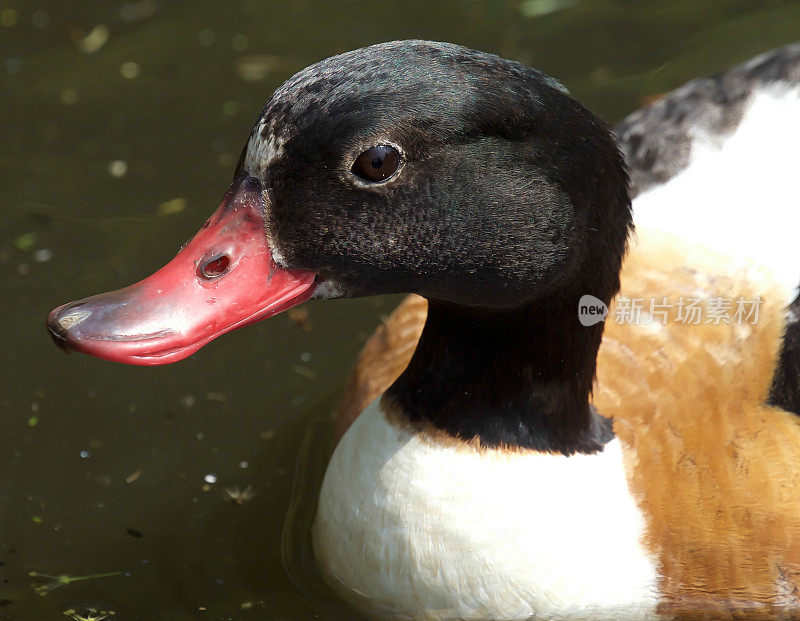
120, 125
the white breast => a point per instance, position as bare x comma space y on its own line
408, 527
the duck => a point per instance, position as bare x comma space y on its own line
509, 448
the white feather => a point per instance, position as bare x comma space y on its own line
739, 195
408, 527
262, 152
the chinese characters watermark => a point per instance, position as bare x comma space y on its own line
685, 310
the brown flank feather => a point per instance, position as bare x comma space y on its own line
384, 357
715, 472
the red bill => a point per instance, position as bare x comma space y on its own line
224, 278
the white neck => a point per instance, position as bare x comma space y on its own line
410, 527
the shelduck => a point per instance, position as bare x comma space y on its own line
497, 460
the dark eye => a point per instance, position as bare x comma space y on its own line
377, 163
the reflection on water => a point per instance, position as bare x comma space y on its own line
296, 548
121, 123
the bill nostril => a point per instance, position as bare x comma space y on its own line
213, 268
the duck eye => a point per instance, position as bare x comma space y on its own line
377, 163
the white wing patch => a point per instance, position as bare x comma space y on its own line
739, 195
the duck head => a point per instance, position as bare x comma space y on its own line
409, 166
426, 167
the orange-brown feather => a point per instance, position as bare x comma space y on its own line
716, 472
383, 359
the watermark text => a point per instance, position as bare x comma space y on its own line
685, 310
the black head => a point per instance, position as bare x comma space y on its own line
504, 189
410, 167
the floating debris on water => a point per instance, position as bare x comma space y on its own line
118, 168
238, 496
25, 241
210, 478
88, 614
43, 255
8, 17
300, 318
129, 70
96, 39
172, 206
305, 371
53, 582
257, 67
537, 8
132, 477
133, 11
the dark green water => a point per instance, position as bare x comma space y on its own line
120, 124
